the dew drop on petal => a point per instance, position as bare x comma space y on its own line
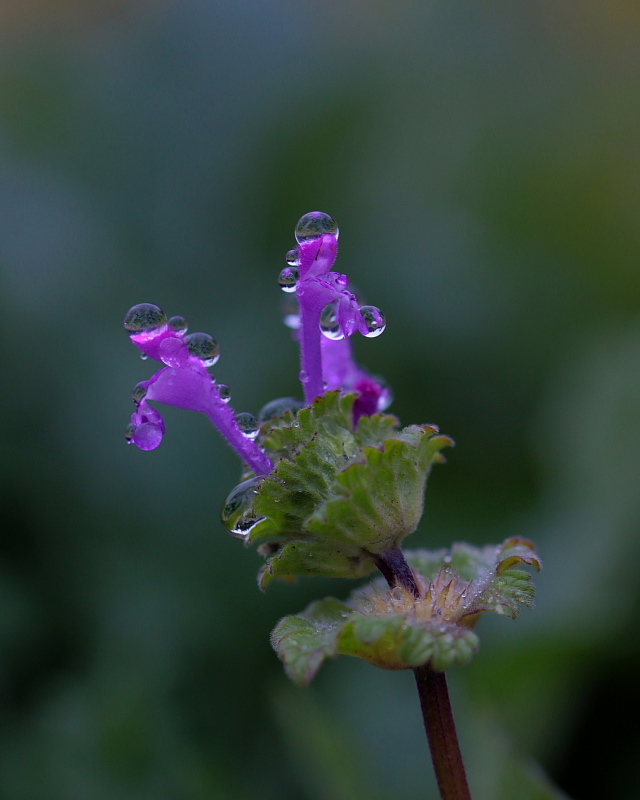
248, 424
174, 352
204, 347
144, 317
139, 393
129, 431
237, 514
178, 323
374, 321
279, 407
314, 225
147, 436
224, 392
329, 324
288, 279
293, 258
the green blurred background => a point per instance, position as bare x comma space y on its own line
482, 161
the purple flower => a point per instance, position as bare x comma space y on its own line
184, 382
328, 315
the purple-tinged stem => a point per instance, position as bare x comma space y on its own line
437, 714
441, 733
224, 419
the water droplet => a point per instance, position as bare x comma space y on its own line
174, 352
293, 258
204, 347
374, 321
129, 431
237, 514
342, 280
143, 356
314, 225
279, 407
139, 393
447, 559
304, 378
224, 392
248, 424
144, 317
288, 279
329, 324
178, 324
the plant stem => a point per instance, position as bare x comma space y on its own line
434, 696
441, 733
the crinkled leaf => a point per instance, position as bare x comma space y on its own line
381, 499
315, 558
361, 489
304, 641
373, 430
401, 643
508, 590
517, 550
393, 630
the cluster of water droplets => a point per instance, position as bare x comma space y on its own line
312, 226
238, 514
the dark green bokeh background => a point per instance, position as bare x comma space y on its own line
482, 161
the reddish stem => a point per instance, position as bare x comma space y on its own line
437, 714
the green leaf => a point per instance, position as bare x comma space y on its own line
358, 492
381, 500
390, 628
315, 558
303, 642
401, 643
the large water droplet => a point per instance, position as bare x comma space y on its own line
288, 279
204, 347
329, 324
314, 225
293, 258
224, 392
178, 324
144, 317
279, 407
374, 321
248, 424
139, 393
129, 431
237, 514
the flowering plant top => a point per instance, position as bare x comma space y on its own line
331, 485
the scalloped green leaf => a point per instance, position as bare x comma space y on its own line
397, 643
371, 431
518, 550
300, 558
303, 642
392, 629
509, 590
382, 498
